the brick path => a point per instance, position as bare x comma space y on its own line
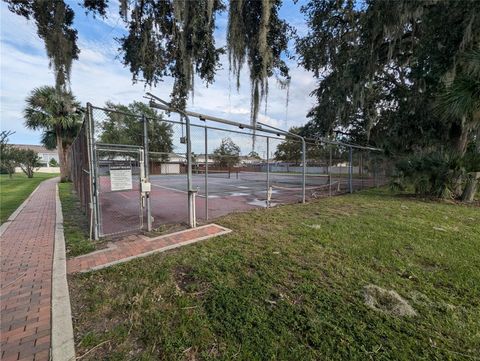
26, 278
140, 246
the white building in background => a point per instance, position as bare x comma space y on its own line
45, 155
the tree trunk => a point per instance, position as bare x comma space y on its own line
478, 139
61, 157
462, 140
471, 187
66, 150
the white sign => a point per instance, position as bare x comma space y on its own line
120, 178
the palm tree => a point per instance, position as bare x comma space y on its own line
461, 101
55, 112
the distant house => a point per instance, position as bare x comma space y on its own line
200, 159
247, 160
45, 154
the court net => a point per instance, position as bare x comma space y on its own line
213, 173
287, 179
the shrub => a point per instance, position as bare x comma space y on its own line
53, 163
437, 174
28, 160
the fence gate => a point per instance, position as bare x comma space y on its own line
151, 181
119, 200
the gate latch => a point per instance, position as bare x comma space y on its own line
146, 187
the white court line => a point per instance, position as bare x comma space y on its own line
244, 185
180, 191
250, 185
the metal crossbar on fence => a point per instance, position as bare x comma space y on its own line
200, 170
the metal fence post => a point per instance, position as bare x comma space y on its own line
147, 171
206, 172
91, 175
360, 167
192, 222
350, 170
330, 172
95, 182
304, 170
141, 163
268, 173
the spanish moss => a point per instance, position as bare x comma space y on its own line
54, 21
172, 38
258, 37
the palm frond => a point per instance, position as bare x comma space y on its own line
46, 107
461, 99
471, 61
49, 139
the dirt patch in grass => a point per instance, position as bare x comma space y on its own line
387, 301
165, 229
186, 281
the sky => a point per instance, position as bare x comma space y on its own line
99, 76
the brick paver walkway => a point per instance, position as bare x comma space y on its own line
140, 246
26, 278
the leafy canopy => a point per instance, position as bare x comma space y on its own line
7, 154
28, 160
53, 112
227, 154
54, 21
382, 66
123, 125
174, 38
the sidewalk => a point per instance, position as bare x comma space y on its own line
137, 246
26, 278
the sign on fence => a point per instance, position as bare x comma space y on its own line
120, 178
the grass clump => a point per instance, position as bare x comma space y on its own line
75, 223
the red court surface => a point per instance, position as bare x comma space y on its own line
121, 211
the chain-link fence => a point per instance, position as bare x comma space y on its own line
80, 161
143, 172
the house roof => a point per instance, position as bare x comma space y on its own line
35, 147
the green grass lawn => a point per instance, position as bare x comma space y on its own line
75, 223
287, 284
13, 191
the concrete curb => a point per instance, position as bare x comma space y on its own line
160, 250
14, 215
63, 348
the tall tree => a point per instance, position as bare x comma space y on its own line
171, 38
28, 161
290, 150
176, 38
258, 36
383, 65
54, 20
8, 159
227, 154
461, 99
123, 126
54, 112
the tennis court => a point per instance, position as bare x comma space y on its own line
228, 191
233, 170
